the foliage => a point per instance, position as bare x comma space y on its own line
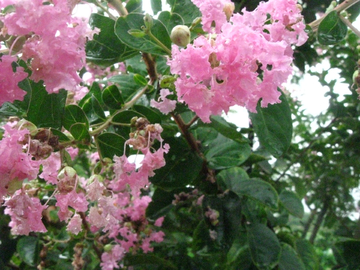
203, 193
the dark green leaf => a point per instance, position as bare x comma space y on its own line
170, 20
106, 49
273, 125
112, 98
93, 110
307, 254
186, 9
61, 136
148, 260
349, 249
264, 246
144, 44
73, 115
125, 117
182, 166
229, 178
150, 114
226, 129
93, 91
225, 153
331, 29
127, 85
140, 80
292, 203
28, 249
110, 144
44, 109
253, 188
80, 132
289, 259
161, 203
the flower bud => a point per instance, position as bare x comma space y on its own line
148, 21
67, 178
229, 10
180, 35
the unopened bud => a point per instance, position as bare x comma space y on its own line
148, 21
229, 10
180, 35
25, 124
299, 7
67, 178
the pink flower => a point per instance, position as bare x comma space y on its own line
159, 221
25, 213
72, 199
51, 167
214, 11
74, 225
9, 89
165, 105
110, 260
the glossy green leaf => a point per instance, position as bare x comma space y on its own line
134, 6
80, 131
125, 117
73, 115
93, 110
110, 144
105, 48
182, 166
289, 259
28, 250
264, 246
229, 130
150, 114
94, 90
112, 98
140, 80
331, 29
256, 189
292, 203
126, 84
144, 44
307, 254
43, 109
229, 178
224, 153
186, 9
61, 136
273, 126
170, 20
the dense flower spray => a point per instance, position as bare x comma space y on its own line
245, 58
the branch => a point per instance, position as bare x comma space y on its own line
118, 6
350, 25
150, 67
343, 6
319, 220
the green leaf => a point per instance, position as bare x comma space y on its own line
289, 259
125, 117
93, 110
110, 144
61, 136
73, 115
256, 189
140, 80
227, 129
182, 166
112, 98
349, 249
307, 254
331, 29
170, 20
144, 44
156, 5
292, 203
273, 125
148, 260
160, 204
264, 246
94, 90
43, 109
28, 249
186, 9
80, 131
149, 113
127, 85
229, 178
106, 49
224, 153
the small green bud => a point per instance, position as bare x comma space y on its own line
25, 124
180, 35
67, 172
148, 21
136, 33
167, 81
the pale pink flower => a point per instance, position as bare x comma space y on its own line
159, 221
165, 105
51, 167
111, 259
9, 89
25, 213
74, 225
94, 188
72, 199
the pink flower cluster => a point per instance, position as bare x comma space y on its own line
244, 60
9, 89
55, 40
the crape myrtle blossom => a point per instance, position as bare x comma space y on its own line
9, 89
56, 52
245, 61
